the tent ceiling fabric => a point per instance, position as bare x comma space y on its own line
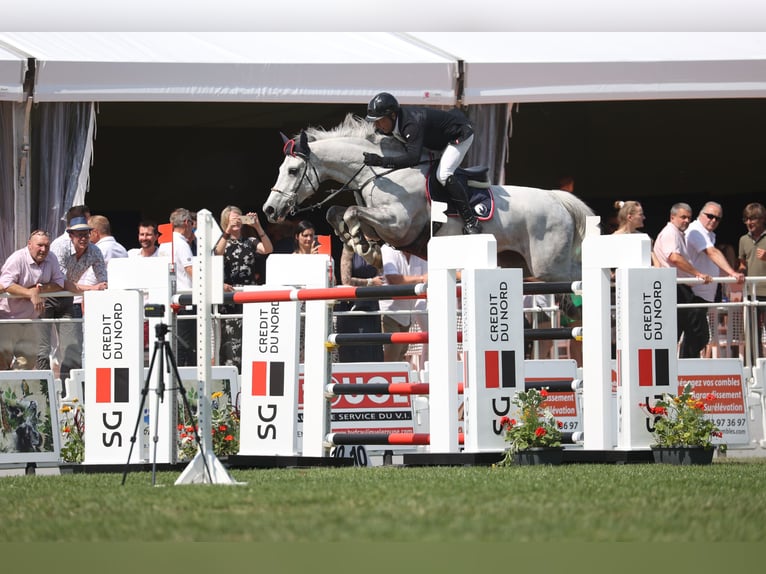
420, 68
12, 71
341, 67
508, 67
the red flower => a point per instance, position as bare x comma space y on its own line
228, 437
180, 426
543, 392
540, 432
560, 424
710, 397
222, 428
66, 429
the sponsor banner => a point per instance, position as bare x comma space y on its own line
270, 339
493, 353
564, 406
29, 411
722, 385
361, 413
646, 347
114, 358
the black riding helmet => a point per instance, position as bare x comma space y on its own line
381, 106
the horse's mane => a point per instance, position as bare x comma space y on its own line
352, 126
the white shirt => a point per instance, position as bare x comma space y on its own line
395, 263
111, 248
697, 240
182, 258
136, 252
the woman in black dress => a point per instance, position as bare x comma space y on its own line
240, 245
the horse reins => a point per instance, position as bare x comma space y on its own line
294, 210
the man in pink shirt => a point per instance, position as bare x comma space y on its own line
671, 251
26, 273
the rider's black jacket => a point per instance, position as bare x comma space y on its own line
428, 128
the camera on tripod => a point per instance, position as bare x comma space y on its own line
154, 310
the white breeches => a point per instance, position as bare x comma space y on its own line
451, 157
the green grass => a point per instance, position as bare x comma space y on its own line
723, 502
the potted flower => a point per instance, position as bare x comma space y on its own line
225, 427
682, 432
535, 436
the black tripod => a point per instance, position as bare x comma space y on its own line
163, 350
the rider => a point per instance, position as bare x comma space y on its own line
419, 127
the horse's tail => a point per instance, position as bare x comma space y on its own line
579, 211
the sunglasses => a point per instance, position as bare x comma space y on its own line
712, 217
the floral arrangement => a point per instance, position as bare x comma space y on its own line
225, 427
72, 432
536, 426
680, 421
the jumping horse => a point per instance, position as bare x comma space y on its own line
538, 230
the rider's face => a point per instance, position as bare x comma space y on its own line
384, 125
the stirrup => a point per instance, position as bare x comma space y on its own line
472, 228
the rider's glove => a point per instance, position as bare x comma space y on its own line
373, 159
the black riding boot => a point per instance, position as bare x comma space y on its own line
459, 195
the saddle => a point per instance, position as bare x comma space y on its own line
475, 180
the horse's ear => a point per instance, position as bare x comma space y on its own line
289, 147
302, 149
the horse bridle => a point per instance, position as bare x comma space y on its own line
292, 196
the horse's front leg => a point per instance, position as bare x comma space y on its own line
354, 234
335, 217
367, 224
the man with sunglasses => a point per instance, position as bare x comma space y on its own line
705, 256
75, 257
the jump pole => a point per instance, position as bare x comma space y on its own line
207, 288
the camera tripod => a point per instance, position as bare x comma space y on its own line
162, 350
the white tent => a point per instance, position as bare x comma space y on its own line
12, 70
341, 67
420, 68
505, 67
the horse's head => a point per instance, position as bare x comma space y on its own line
297, 180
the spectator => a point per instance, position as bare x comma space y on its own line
356, 272
403, 268
671, 251
74, 258
752, 262
179, 250
147, 239
239, 249
101, 237
630, 219
705, 256
27, 273
305, 239
64, 239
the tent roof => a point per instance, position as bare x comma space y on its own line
12, 70
501, 67
348, 67
322, 67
